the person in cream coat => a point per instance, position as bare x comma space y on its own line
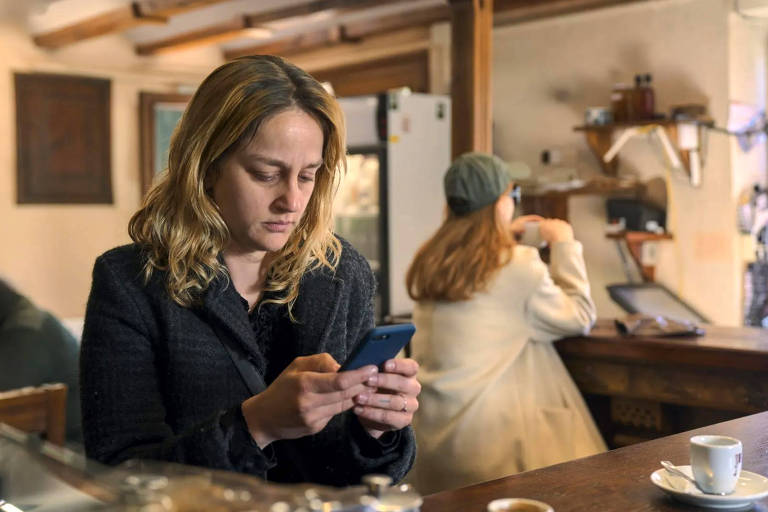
496, 399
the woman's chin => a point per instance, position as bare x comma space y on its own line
273, 242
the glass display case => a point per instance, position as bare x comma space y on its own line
391, 198
42, 477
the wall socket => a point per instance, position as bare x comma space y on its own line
552, 157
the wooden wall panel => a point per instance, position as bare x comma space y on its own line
62, 139
409, 70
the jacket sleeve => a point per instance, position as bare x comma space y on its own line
560, 304
123, 411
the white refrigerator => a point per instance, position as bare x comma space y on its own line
392, 199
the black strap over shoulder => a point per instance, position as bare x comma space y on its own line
253, 380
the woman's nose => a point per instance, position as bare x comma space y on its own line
290, 199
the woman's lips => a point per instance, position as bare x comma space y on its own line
278, 227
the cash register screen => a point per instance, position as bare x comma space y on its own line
653, 299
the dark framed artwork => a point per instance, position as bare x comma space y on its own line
63, 148
159, 113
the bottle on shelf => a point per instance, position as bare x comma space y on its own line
643, 98
621, 103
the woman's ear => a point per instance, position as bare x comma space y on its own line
505, 208
211, 175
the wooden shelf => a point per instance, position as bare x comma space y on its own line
601, 185
600, 139
640, 236
618, 126
634, 241
552, 200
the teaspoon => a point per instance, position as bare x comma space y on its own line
671, 468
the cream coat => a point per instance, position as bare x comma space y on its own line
496, 398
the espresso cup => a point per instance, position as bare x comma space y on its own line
716, 463
531, 235
518, 505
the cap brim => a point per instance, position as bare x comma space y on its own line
519, 170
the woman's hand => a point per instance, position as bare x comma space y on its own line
555, 230
392, 405
303, 398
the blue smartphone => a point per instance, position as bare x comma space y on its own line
379, 345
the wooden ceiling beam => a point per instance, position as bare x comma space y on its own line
136, 13
425, 16
508, 12
294, 44
167, 8
316, 6
347, 33
115, 20
210, 34
240, 26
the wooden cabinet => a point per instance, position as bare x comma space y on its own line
641, 387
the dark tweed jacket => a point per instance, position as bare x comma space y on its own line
157, 383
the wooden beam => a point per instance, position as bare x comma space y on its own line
394, 22
240, 27
316, 6
165, 8
344, 34
403, 42
302, 42
210, 34
116, 20
472, 24
508, 12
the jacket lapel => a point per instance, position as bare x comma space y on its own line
316, 310
221, 304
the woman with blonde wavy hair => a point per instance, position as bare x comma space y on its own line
214, 338
496, 399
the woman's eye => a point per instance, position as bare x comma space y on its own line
307, 177
266, 177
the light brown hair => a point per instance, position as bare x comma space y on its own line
461, 258
179, 226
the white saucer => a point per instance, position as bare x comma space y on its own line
749, 488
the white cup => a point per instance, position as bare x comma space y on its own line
531, 235
518, 505
716, 463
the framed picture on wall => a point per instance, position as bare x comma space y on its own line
159, 113
63, 147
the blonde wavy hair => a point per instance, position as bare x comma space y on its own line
462, 257
180, 228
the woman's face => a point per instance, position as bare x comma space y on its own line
505, 208
263, 187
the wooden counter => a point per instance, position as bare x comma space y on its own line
617, 480
641, 388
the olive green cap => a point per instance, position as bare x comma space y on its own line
475, 180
